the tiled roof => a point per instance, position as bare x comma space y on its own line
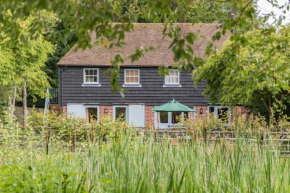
143, 36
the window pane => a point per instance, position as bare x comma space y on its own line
175, 80
120, 113
89, 79
92, 114
95, 79
127, 79
211, 109
163, 117
136, 80
95, 72
127, 72
223, 114
136, 73
176, 73
186, 115
167, 79
175, 117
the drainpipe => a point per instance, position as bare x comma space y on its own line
61, 77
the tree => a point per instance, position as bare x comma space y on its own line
32, 56
254, 73
22, 70
7, 69
83, 17
62, 45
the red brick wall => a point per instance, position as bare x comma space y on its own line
149, 114
64, 109
149, 117
110, 111
239, 111
197, 111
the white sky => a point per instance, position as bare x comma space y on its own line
266, 7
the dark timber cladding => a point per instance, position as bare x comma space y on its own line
152, 91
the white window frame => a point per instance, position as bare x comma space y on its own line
127, 83
122, 106
172, 84
216, 113
84, 76
167, 125
193, 113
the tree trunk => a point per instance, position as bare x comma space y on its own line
10, 109
11, 104
24, 105
14, 96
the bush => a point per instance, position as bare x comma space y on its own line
66, 126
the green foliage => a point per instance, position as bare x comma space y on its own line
80, 18
61, 47
7, 65
25, 55
32, 57
254, 73
26, 20
137, 165
65, 126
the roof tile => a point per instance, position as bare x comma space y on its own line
143, 36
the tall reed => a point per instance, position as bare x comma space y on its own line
134, 165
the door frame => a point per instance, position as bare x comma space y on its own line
92, 107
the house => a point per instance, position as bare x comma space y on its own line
85, 91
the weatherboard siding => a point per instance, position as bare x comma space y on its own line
152, 91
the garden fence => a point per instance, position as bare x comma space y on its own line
46, 137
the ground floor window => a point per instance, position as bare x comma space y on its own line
222, 113
176, 117
120, 113
92, 114
163, 117
171, 118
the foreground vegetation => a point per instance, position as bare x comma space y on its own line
128, 165
110, 157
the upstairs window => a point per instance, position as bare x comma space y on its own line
91, 75
172, 78
132, 76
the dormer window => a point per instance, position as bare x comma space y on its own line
91, 76
172, 79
